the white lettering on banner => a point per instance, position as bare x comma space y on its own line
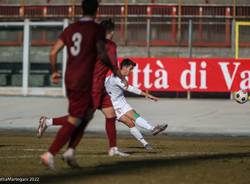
191, 72
136, 72
161, 76
245, 84
147, 70
224, 68
191, 84
183, 74
203, 84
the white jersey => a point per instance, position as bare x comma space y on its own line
115, 87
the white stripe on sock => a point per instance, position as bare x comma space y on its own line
49, 122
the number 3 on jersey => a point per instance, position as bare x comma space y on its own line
77, 40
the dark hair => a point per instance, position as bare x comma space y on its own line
108, 25
127, 62
89, 7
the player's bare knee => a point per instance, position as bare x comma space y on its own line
109, 112
131, 125
110, 115
74, 121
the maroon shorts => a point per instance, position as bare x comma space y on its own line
101, 100
79, 103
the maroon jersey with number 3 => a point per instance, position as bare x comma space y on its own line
80, 39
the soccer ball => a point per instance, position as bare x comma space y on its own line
241, 96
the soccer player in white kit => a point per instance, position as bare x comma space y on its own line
124, 112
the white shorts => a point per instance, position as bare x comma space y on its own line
120, 110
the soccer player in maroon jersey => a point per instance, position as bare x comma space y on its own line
101, 101
85, 40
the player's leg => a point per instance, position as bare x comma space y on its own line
134, 131
105, 105
45, 122
76, 136
110, 117
79, 103
78, 133
65, 132
69, 154
120, 111
60, 140
58, 120
141, 122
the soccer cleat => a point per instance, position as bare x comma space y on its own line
159, 128
42, 126
48, 160
148, 147
70, 160
115, 152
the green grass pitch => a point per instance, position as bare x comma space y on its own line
174, 160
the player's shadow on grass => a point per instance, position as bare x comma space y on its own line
142, 148
122, 167
141, 151
135, 147
129, 152
94, 153
138, 149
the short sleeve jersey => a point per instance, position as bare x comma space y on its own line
80, 39
115, 87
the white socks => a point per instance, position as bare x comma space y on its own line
49, 122
69, 152
50, 155
143, 124
137, 134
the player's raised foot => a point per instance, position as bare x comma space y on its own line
47, 159
115, 152
159, 128
148, 147
69, 158
42, 126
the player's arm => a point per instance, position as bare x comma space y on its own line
135, 90
102, 54
113, 56
55, 76
151, 97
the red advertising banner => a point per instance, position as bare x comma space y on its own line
191, 74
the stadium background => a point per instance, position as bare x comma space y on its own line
143, 29
207, 140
